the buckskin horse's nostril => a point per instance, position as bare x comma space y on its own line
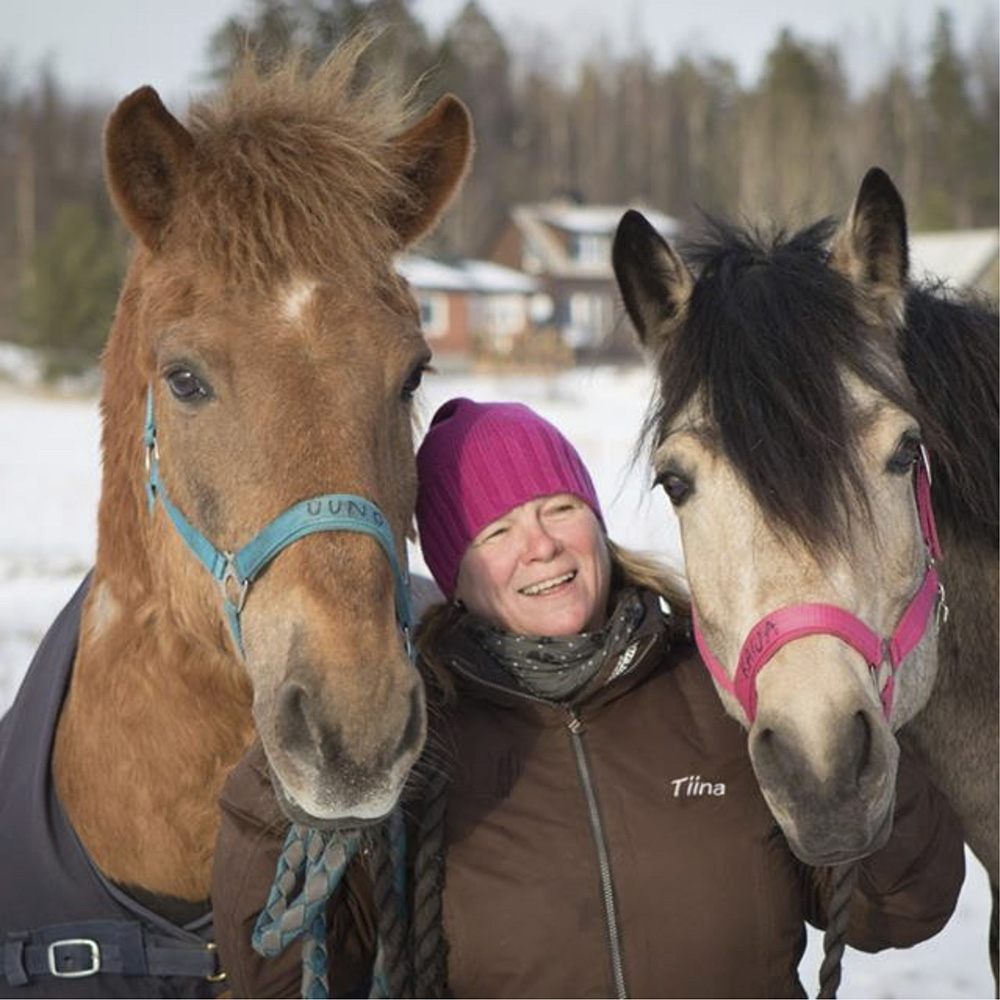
860, 743
777, 759
766, 753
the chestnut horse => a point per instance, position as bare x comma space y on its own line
256, 400
802, 384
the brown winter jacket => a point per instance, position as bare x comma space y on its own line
707, 898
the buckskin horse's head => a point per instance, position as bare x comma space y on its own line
784, 435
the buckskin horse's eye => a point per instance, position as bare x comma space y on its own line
906, 454
677, 487
186, 386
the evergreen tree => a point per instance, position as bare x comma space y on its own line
792, 135
68, 299
944, 201
472, 62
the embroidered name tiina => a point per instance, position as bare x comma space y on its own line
693, 786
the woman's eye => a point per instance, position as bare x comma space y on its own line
492, 534
561, 508
905, 456
186, 386
676, 487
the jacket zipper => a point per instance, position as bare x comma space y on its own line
575, 727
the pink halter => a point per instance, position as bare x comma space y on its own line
794, 621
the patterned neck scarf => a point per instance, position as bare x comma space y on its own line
557, 667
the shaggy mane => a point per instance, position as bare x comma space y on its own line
295, 172
952, 355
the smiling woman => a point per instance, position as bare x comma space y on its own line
585, 819
514, 527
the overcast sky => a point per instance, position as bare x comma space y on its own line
110, 47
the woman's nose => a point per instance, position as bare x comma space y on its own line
539, 544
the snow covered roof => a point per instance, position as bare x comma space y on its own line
961, 257
599, 219
422, 272
485, 276
480, 276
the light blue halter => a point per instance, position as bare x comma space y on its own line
236, 571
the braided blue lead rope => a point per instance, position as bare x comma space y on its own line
311, 866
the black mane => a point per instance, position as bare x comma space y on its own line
952, 356
769, 330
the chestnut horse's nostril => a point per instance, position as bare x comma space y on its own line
412, 735
304, 732
294, 732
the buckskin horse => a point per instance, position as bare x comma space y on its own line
258, 485
806, 387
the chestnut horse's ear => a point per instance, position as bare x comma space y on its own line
655, 283
434, 156
870, 247
146, 153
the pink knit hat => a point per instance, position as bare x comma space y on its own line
480, 460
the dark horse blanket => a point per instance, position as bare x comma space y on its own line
65, 930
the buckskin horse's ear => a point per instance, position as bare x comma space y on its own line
870, 247
655, 283
146, 154
434, 156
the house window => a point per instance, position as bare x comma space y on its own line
590, 318
591, 249
502, 314
433, 314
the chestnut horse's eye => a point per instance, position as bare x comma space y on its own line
905, 456
413, 380
186, 386
676, 487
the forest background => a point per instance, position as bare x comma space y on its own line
686, 138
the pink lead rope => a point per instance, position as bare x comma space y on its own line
793, 622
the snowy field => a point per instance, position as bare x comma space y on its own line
49, 488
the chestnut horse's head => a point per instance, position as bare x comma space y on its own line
265, 333
786, 440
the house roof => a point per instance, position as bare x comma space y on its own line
540, 226
475, 276
601, 220
431, 275
961, 257
486, 276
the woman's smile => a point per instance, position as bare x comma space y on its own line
546, 587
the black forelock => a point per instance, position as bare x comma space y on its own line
769, 332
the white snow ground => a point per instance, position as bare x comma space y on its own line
49, 489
